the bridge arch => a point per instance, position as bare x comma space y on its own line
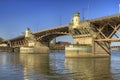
45, 39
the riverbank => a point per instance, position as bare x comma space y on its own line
57, 50
8, 49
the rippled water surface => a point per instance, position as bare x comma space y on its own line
55, 66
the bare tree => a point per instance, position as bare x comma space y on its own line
1, 39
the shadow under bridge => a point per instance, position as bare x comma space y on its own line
46, 36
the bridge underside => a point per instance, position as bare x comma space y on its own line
46, 39
105, 28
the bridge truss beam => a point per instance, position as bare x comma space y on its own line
105, 29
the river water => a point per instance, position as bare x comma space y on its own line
55, 66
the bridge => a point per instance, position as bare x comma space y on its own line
43, 37
94, 35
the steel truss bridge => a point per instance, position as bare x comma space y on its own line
105, 28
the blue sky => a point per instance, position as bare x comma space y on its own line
17, 15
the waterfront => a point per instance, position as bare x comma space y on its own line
55, 66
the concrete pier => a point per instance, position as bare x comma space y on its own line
34, 50
34, 46
78, 50
37, 48
6, 49
84, 51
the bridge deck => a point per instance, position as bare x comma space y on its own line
103, 20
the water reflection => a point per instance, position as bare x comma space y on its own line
55, 66
35, 66
10, 67
89, 68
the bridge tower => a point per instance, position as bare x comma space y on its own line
30, 37
34, 46
76, 20
27, 32
81, 30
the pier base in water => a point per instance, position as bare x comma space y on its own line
84, 51
37, 48
34, 50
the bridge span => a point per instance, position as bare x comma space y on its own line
44, 36
92, 38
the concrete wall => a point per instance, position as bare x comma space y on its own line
6, 49
86, 40
37, 48
78, 51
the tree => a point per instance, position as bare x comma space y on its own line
1, 39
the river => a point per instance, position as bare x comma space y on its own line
54, 66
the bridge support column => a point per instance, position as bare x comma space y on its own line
87, 50
34, 46
84, 35
100, 49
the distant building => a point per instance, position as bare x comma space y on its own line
58, 45
115, 48
62, 43
3, 45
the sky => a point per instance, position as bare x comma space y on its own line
17, 15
